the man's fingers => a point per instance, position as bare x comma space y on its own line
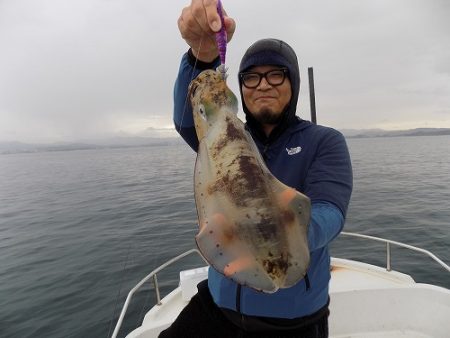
187, 32
230, 26
198, 24
196, 17
203, 14
213, 19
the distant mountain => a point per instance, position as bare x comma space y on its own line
356, 132
158, 132
365, 133
115, 142
145, 141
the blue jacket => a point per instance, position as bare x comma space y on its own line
310, 158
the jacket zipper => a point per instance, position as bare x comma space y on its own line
264, 153
307, 283
238, 298
238, 306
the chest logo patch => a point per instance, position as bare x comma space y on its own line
293, 151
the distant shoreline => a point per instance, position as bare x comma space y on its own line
398, 133
134, 142
29, 148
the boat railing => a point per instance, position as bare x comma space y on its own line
390, 243
153, 274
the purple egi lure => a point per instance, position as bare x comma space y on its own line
221, 40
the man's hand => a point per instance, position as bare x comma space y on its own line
198, 24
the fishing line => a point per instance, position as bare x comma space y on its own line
178, 130
159, 237
153, 263
120, 290
141, 317
160, 234
191, 78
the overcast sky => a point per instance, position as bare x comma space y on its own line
86, 69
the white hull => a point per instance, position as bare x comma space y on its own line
366, 301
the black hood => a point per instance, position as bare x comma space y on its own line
278, 53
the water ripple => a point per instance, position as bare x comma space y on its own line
78, 228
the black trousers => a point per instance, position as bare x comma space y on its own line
201, 318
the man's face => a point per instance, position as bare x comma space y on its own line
266, 102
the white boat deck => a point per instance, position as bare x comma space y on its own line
370, 302
366, 302
352, 275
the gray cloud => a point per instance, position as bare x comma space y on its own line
89, 68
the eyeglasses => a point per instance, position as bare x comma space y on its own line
273, 77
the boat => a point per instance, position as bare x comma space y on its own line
366, 301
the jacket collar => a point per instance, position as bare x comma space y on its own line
286, 126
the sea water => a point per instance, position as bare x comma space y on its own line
78, 229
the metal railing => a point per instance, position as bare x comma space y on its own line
177, 258
155, 282
388, 249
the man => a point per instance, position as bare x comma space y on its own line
312, 159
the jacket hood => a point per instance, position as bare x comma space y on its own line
278, 53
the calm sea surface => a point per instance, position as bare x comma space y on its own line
79, 229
